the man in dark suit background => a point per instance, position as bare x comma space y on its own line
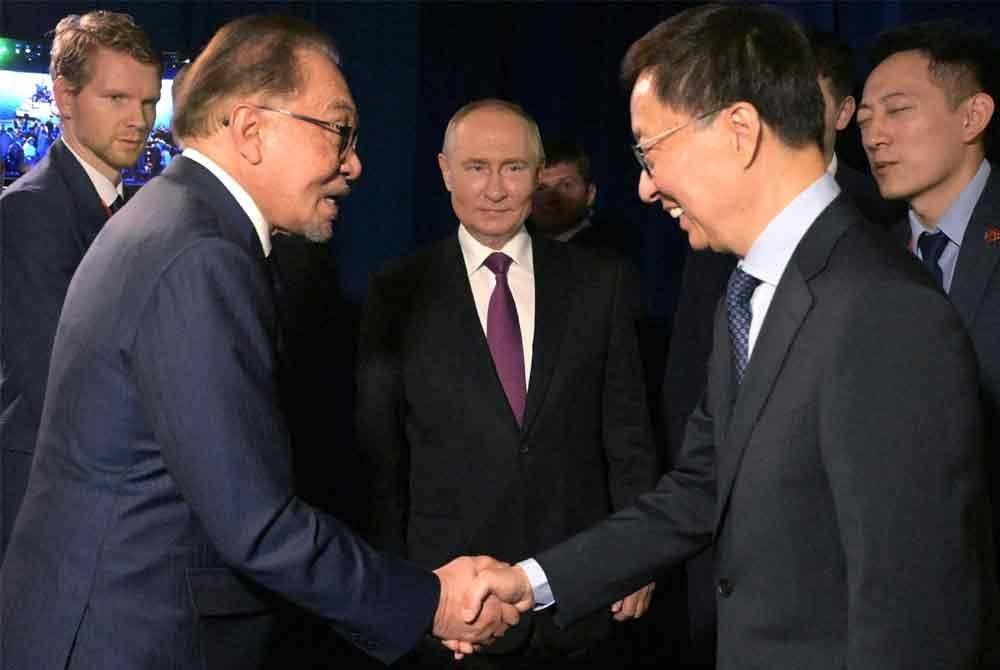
563, 204
494, 440
836, 457
925, 121
702, 285
106, 83
161, 526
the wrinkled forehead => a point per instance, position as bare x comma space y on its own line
324, 86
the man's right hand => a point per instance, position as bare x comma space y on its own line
508, 583
453, 623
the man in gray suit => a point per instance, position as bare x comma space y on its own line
836, 457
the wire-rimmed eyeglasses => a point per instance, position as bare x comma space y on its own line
640, 148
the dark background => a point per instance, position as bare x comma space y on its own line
411, 65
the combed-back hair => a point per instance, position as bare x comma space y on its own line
960, 60
76, 38
706, 58
251, 56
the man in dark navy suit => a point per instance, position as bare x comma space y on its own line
161, 526
106, 83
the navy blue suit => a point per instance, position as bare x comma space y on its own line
160, 527
48, 218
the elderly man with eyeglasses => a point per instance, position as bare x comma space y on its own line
161, 527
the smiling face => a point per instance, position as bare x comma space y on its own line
490, 166
108, 118
303, 174
913, 134
562, 199
694, 176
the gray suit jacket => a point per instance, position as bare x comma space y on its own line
842, 482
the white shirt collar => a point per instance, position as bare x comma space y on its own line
475, 252
569, 234
831, 169
105, 188
769, 255
242, 197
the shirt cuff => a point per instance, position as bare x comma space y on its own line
539, 583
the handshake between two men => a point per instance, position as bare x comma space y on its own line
482, 597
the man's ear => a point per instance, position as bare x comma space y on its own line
445, 170
845, 112
65, 96
742, 122
591, 194
245, 130
978, 112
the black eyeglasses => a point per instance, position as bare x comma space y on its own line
640, 148
348, 134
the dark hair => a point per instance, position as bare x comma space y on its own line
960, 60
254, 55
711, 56
75, 38
568, 151
834, 61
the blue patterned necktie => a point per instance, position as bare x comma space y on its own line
503, 334
738, 292
932, 245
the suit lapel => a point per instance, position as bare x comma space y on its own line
977, 259
462, 339
553, 283
91, 215
789, 308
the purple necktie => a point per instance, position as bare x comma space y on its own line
503, 333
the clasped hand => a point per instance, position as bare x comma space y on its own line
480, 599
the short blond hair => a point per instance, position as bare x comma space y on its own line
76, 38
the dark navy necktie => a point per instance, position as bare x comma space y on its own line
932, 245
115, 205
503, 334
738, 292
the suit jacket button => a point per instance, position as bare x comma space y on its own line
725, 588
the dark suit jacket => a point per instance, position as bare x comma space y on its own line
975, 293
454, 472
842, 482
160, 525
48, 218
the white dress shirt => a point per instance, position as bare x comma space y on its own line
770, 252
520, 278
242, 197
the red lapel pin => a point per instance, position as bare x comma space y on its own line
992, 236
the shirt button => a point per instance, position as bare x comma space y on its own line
725, 588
